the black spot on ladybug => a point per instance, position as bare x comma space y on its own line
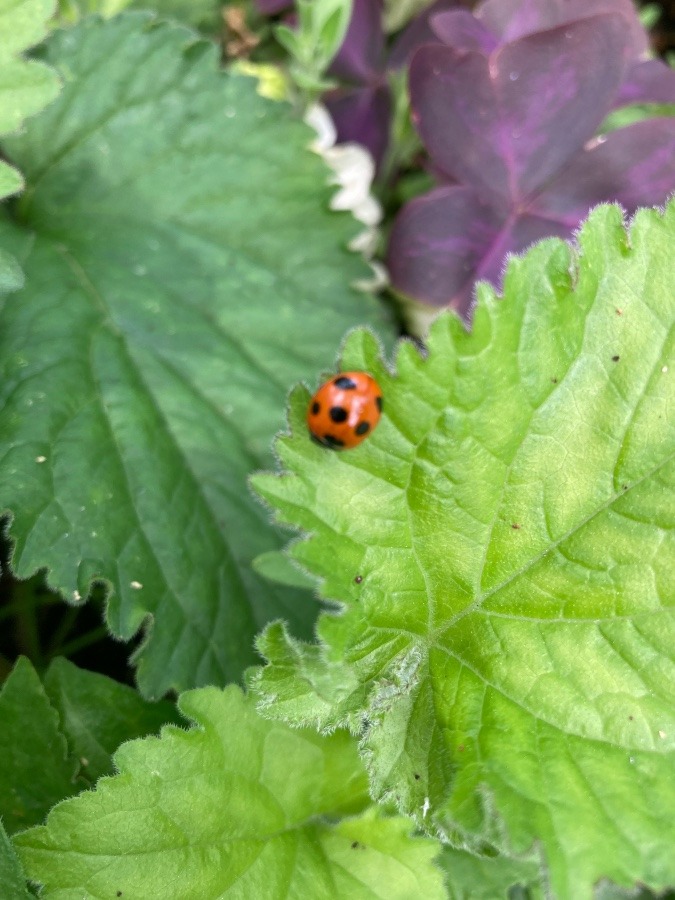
331, 441
315, 408
379, 403
417, 777
338, 413
345, 383
358, 579
616, 358
362, 428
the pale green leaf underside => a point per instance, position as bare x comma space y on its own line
235, 808
182, 270
511, 638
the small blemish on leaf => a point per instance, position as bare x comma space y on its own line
40, 459
616, 358
84, 761
355, 845
630, 718
417, 776
461, 748
136, 585
554, 380
358, 579
618, 311
662, 734
515, 526
624, 487
664, 369
76, 596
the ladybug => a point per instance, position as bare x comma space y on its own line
344, 410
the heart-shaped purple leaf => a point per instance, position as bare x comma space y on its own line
634, 166
647, 81
505, 124
439, 241
463, 31
513, 19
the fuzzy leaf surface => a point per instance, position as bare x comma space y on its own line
182, 269
36, 770
503, 546
213, 813
98, 714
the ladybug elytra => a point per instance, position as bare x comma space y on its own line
344, 410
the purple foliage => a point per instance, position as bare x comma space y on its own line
508, 104
361, 107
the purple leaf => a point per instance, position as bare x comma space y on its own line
649, 81
272, 7
437, 243
361, 56
512, 19
362, 114
633, 165
418, 33
507, 123
463, 31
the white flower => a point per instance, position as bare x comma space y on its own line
353, 173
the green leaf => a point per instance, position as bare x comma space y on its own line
182, 269
470, 877
35, 768
26, 86
11, 181
11, 276
509, 642
98, 714
12, 879
220, 811
276, 566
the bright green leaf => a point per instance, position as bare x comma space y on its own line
509, 642
183, 270
98, 714
35, 768
12, 879
238, 807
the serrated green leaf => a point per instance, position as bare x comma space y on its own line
35, 768
12, 879
470, 877
507, 650
237, 807
26, 86
98, 714
184, 269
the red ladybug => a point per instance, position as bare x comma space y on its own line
344, 410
